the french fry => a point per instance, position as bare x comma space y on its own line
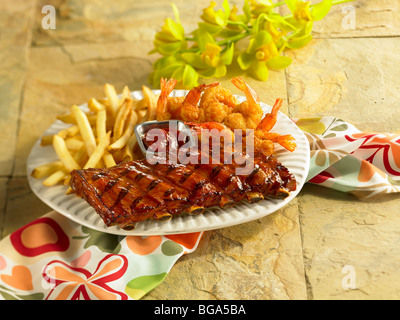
55, 178
112, 98
69, 132
126, 93
63, 154
81, 156
85, 129
129, 148
122, 141
47, 169
74, 144
108, 159
101, 124
98, 152
69, 118
151, 101
121, 118
142, 115
95, 105
102, 137
101, 134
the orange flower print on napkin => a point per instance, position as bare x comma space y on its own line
143, 245
20, 278
38, 237
72, 283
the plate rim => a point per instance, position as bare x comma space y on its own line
158, 225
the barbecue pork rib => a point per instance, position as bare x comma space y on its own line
137, 190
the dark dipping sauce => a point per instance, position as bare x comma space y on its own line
165, 139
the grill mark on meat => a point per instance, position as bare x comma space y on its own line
121, 194
139, 176
169, 192
160, 178
112, 182
205, 194
170, 168
139, 183
185, 176
253, 173
169, 204
215, 171
98, 175
199, 185
135, 203
229, 179
110, 214
143, 204
152, 185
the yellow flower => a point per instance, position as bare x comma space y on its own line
218, 18
274, 32
260, 55
261, 6
211, 56
302, 11
266, 51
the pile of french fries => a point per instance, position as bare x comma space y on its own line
100, 138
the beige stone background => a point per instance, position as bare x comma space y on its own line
298, 252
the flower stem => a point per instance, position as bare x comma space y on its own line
335, 2
278, 4
234, 39
239, 23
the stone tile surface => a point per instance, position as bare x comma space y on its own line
15, 25
358, 18
342, 233
22, 205
102, 21
357, 84
371, 19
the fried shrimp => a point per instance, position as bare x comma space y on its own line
216, 104
269, 120
248, 114
267, 123
174, 106
286, 141
190, 110
162, 103
184, 108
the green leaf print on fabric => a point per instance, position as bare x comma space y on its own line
138, 287
171, 248
106, 242
311, 125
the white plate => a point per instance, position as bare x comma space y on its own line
79, 210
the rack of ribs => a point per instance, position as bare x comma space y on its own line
134, 191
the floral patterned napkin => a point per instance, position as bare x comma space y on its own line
345, 159
56, 258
